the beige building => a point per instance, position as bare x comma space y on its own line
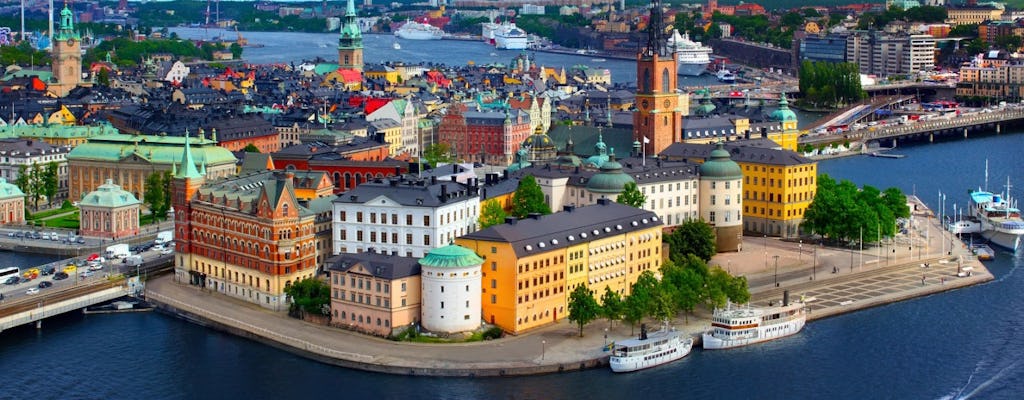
886, 54
374, 293
12, 204
1002, 81
109, 212
972, 14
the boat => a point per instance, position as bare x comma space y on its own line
510, 37
886, 155
396, 46
648, 351
1000, 220
598, 60
693, 57
725, 76
735, 327
964, 226
983, 252
413, 30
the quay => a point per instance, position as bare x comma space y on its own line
877, 278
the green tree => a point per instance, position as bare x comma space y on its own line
684, 284
236, 51
714, 31
154, 195
251, 148
529, 198
23, 181
611, 305
437, 153
583, 309
310, 295
491, 214
631, 196
840, 212
691, 237
103, 77
168, 182
35, 182
49, 182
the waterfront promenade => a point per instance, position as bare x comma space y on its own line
875, 278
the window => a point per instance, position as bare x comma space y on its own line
494, 266
711, 218
426, 220
442, 305
403, 290
494, 299
494, 285
359, 216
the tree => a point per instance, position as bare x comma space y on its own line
840, 212
49, 182
168, 182
251, 148
631, 196
23, 181
437, 153
582, 307
103, 77
35, 184
611, 305
154, 195
310, 295
685, 284
491, 214
236, 51
529, 198
691, 237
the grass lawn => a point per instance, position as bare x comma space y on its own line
67, 221
148, 219
47, 213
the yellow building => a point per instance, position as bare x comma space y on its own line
789, 135
378, 71
391, 131
531, 265
972, 14
778, 184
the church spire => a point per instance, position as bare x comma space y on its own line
188, 165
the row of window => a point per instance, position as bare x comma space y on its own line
545, 314
772, 213
680, 201
343, 217
343, 235
385, 323
727, 215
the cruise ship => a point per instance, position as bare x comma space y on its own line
693, 57
510, 37
735, 327
413, 30
1000, 219
648, 351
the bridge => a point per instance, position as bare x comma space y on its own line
960, 125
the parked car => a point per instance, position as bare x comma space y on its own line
166, 250
48, 271
19, 234
45, 284
24, 280
60, 276
95, 267
12, 280
31, 291
36, 235
80, 240
10, 234
86, 274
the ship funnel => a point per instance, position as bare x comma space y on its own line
643, 331
785, 298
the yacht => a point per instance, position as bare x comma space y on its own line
693, 57
1000, 219
725, 76
419, 31
648, 351
735, 327
510, 37
396, 46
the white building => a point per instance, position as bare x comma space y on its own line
721, 205
531, 9
175, 72
451, 286
403, 216
404, 112
15, 153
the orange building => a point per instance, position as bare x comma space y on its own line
374, 293
657, 123
531, 265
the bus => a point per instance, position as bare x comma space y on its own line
8, 272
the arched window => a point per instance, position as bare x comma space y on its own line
285, 210
337, 180
664, 81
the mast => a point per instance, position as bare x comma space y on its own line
986, 175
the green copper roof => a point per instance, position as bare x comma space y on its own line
165, 150
783, 113
109, 195
56, 131
451, 256
188, 165
324, 68
9, 190
611, 179
720, 165
67, 25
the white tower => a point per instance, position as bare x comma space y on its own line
451, 289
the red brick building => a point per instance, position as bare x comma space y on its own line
347, 165
489, 137
235, 131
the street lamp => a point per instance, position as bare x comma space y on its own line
814, 265
766, 252
606, 338
800, 251
776, 270
542, 345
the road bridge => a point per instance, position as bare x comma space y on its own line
960, 125
34, 309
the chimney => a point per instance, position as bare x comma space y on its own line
444, 193
604, 201
568, 208
504, 174
433, 180
785, 298
535, 216
398, 171
511, 220
455, 168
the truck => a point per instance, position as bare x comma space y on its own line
118, 251
164, 237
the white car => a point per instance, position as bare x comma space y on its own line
95, 267
86, 274
32, 291
166, 250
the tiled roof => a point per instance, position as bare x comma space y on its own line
379, 265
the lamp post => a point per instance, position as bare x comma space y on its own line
776, 270
814, 265
606, 338
543, 344
765, 252
800, 251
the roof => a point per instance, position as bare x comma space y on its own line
378, 265
451, 256
9, 190
410, 192
720, 165
611, 179
539, 234
108, 195
156, 149
745, 151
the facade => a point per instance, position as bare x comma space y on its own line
109, 212
374, 293
246, 237
721, 182
658, 119
488, 137
828, 48
348, 165
990, 30
532, 264
129, 159
1005, 81
12, 204
968, 14
234, 132
350, 41
404, 112
401, 216
15, 153
451, 289
885, 54
67, 55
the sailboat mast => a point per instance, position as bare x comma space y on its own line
986, 174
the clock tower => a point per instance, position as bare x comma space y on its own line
350, 43
657, 121
67, 55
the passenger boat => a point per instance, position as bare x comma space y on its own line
725, 76
693, 57
648, 351
1000, 219
413, 30
735, 327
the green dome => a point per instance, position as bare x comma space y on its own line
539, 141
451, 256
611, 179
8, 190
109, 195
720, 165
783, 113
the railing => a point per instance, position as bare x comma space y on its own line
959, 122
269, 334
43, 311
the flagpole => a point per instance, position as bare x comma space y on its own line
643, 161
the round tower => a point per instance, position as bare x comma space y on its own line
721, 201
450, 280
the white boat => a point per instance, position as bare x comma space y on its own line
648, 351
413, 30
510, 37
598, 59
396, 46
489, 30
693, 57
725, 76
964, 226
1000, 219
735, 327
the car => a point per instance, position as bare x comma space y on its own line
60, 276
166, 250
19, 234
49, 271
10, 234
31, 291
36, 235
95, 267
80, 240
12, 280
86, 274
45, 284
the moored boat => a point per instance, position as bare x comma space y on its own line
413, 30
693, 57
651, 350
1000, 219
735, 327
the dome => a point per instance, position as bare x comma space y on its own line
109, 195
706, 107
611, 179
783, 113
9, 190
539, 141
451, 256
720, 165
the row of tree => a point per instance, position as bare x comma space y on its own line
158, 194
913, 14
826, 84
840, 212
37, 182
528, 199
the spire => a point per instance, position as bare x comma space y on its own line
350, 8
608, 112
656, 41
188, 165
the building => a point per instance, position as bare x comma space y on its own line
130, 159
721, 183
451, 289
828, 48
109, 212
12, 204
350, 41
15, 153
658, 118
247, 237
1001, 80
972, 14
404, 113
990, 30
488, 137
374, 293
532, 264
885, 54
404, 216
67, 55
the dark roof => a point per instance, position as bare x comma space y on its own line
744, 151
534, 235
410, 192
378, 265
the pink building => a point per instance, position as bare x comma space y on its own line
374, 293
109, 212
12, 204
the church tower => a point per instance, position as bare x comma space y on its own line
657, 121
67, 55
350, 43
186, 182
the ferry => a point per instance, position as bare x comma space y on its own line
693, 57
511, 37
725, 76
1001, 223
735, 327
413, 30
648, 351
